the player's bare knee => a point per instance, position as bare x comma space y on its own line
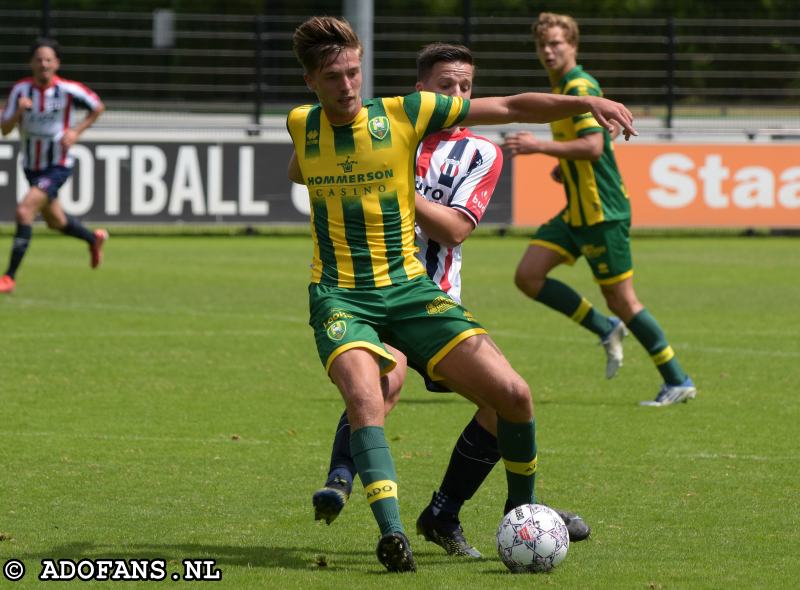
527, 283
391, 395
25, 214
615, 307
621, 306
517, 402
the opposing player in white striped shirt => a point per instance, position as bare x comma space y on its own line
459, 170
456, 174
43, 108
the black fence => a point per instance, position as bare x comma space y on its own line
664, 67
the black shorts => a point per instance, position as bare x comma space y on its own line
50, 180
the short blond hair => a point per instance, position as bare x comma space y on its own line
548, 20
320, 39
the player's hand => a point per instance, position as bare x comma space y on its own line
606, 111
617, 130
522, 142
24, 103
555, 174
69, 138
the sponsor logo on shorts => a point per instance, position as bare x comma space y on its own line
44, 183
591, 251
468, 315
440, 305
336, 326
337, 330
336, 314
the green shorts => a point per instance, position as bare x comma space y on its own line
606, 246
416, 317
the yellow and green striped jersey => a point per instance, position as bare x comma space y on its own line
360, 179
595, 191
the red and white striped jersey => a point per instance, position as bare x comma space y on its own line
42, 126
458, 170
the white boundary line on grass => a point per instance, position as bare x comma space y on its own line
681, 346
56, 304
223, 439
143, 309
302, 321
227, 439
147, 333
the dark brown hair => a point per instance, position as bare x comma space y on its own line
45, 42
320, 39
432, 54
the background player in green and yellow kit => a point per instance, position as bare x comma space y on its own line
595, 223
357, 156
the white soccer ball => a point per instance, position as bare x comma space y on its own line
532, 538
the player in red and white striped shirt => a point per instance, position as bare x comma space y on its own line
459, 170
43, 108
456, 174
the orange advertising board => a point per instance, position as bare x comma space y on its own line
681, 185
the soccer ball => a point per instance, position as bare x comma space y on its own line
532, 538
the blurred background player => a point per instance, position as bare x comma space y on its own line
456, 174
43, 107
595, 223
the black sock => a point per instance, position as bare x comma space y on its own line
473, 458
341, 459
22, 238
76, 229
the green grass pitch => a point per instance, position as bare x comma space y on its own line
171, 405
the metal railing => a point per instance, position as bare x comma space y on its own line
665, 68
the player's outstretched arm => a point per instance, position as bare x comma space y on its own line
587, 147
536, 107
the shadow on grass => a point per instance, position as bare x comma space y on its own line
298, 558
414, 399
292, 558
584, 403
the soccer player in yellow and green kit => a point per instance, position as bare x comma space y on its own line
356, 155
595, 223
